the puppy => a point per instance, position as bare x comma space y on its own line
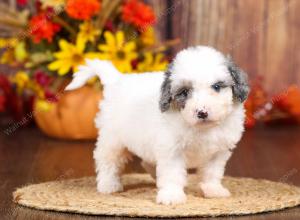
191, 115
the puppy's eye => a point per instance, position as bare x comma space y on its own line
183, 92
218, 86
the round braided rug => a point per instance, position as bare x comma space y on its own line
138, 199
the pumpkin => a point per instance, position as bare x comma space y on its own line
72, 117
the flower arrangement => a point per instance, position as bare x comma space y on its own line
282, 108
58, 35
47, 43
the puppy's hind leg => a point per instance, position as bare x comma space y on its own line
110, 158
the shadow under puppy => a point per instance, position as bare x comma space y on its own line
192, 115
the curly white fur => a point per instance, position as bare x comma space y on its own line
172, 139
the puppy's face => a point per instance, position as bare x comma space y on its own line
203, 86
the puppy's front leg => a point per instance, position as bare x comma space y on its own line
211, 173
171, 179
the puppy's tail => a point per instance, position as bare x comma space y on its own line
105, 70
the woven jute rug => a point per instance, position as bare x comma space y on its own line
138, 198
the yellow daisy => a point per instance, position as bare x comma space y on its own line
58, 5
121, 53
14, 51
152, 62
21, 79
20, 51
70, 56
8, 42
88, 32
8, 57
148, 37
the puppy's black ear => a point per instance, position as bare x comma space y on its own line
166, 95
240, 87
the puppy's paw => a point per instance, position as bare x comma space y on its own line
107, 187
170, 196
213, 190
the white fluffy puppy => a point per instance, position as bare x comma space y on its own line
191, 115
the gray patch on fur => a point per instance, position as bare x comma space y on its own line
240, 87
166, 95
180, 99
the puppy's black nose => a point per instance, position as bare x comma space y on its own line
202, 114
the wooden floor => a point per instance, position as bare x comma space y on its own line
27, 156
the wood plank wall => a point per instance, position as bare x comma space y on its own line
261, 35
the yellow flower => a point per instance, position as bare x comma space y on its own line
88, 32
8, 42
56, 4
43, 105
70, 56
121, 53
21, 79
8, 57
152, 62
20, 51
148, 37
14, 51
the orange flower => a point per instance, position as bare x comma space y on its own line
289, 101
42, 28
82, 9
138, 14
255, 102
